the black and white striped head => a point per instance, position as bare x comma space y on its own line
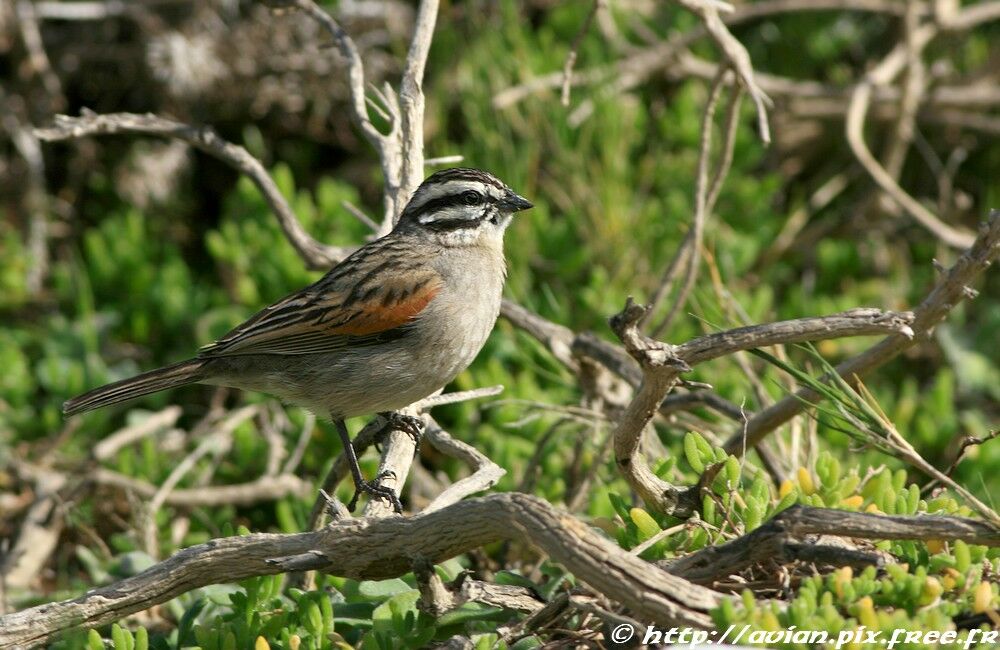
461, 207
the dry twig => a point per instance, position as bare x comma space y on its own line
221, 438
597, 5
36, 201
485, 473
263, 489
39, 532
739, 59
401, 150
705, 196
153, 423
882, 74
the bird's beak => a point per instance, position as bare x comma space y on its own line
515, 203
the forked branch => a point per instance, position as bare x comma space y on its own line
662, 365
401, 149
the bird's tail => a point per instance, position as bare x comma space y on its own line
179, 374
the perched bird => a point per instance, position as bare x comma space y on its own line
388, 326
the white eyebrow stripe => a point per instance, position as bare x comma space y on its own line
450, 187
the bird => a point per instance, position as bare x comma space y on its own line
392, 323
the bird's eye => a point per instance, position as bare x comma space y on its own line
471, 197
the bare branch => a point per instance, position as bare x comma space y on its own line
355, 69
221, 438
265, 488
300, 446
315, 254
557, 338
819, 199
738, 57
857, 109
36, 200
458, 396
860, 321
31, 35
705, 195
411, 100
453, 159
54, 10
671, 56
397, 457
358, 214
437, 598
39, 534
914, 87
345, 548
776, 539
153, 423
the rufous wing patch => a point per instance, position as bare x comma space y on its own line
326, 322
389, 308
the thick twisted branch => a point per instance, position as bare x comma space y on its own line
384, 548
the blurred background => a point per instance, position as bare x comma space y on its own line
123, 253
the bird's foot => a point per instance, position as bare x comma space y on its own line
373, 488
411, 425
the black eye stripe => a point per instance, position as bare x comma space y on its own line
443, 202
471, 193
452, 224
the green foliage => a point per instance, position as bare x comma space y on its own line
901, 599
131, 289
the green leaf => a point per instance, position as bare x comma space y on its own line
733, 471
644, 522
963, 558
381, 589
691, 452
118, 638
184, 627
94, 640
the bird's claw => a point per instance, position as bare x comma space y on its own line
411, 425
374, 489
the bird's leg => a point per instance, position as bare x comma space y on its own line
360, 484
411, 425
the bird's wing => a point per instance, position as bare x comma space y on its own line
370, 301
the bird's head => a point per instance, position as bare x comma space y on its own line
462, 207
